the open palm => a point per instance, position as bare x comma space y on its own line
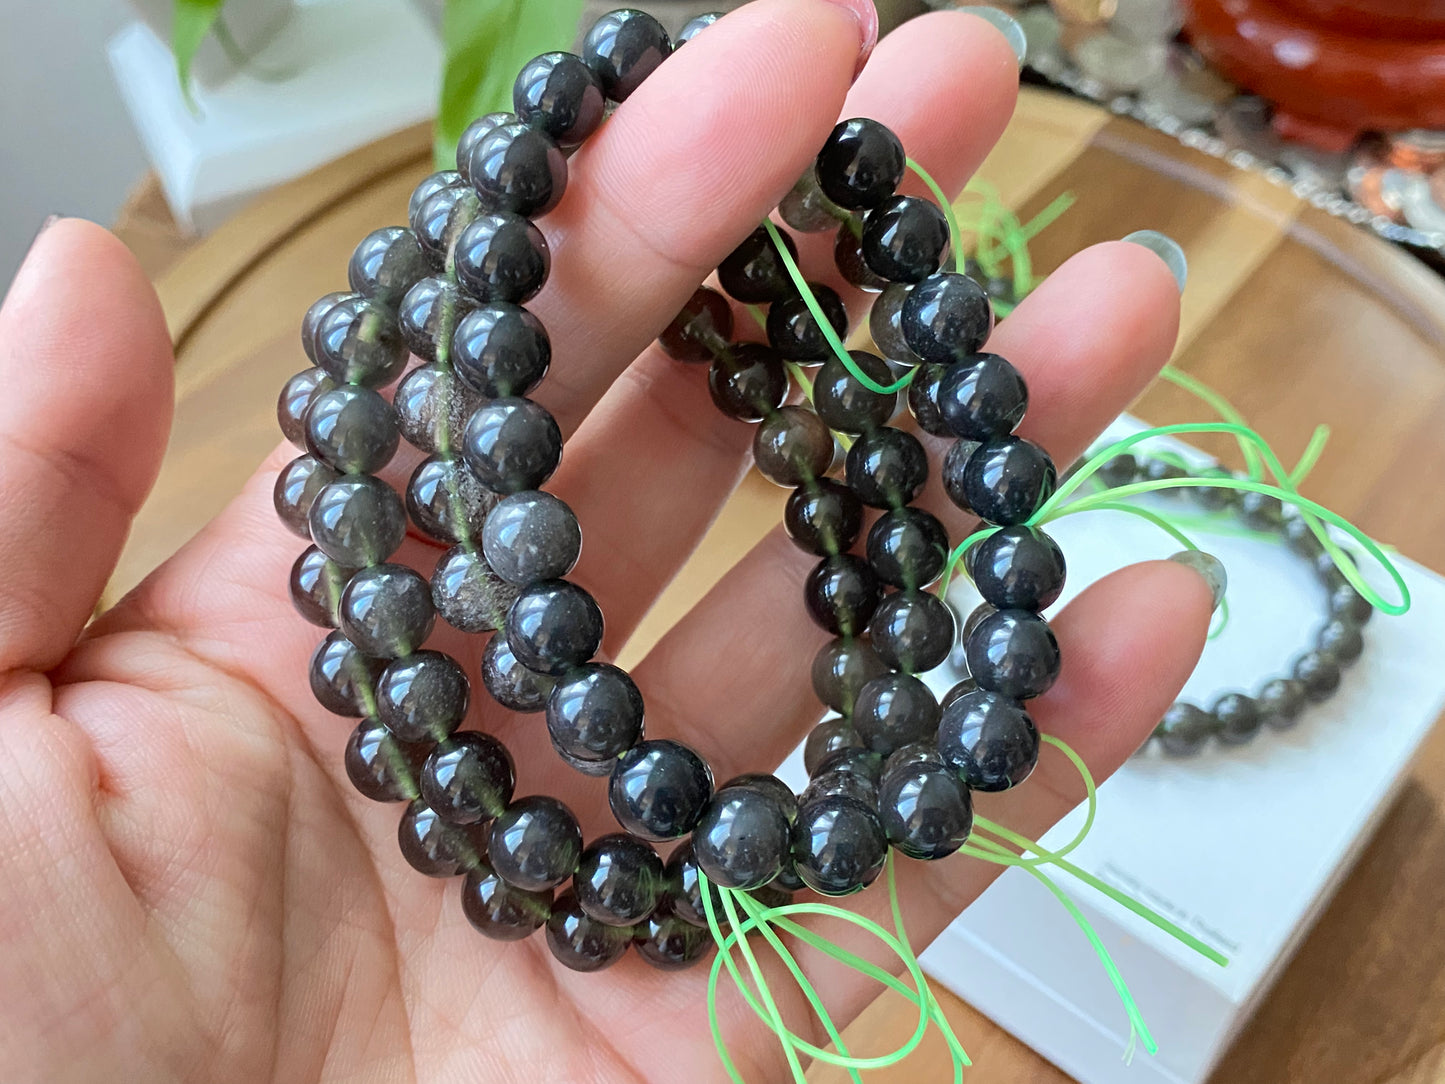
192, 891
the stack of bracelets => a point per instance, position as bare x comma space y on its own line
892, 767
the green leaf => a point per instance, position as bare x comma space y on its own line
486, 42
190, 24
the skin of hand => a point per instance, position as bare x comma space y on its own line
193, 892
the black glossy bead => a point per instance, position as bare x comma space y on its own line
1214, 498
1119, 471
296, 396
700, 332
467, 594
771, 785
666, 941
1013, 653
1158, 470
511, 684
311, 322
358, 520
989, 740
432, 408
792, 446
839, 846
905, 238
512, 444
806, 209
841, 668
623, 48
472, 135
531, 536
440, 219
684, 890
352, 429
518, 169
580, 942
895, 710
848, 257
742, 838
1328, 571
386, 610
907, 548
1301, 539
845, 403
962, 689
794, 332
1340, 639
432, 846
297, 486
748, 382
947, 318
1261, 511
887, 467
343, 680
982, 397
1281, 701
1018, 568
1185, 729
534, 843
423, 697
502, 257
925, 809
841, 594
469, 778
316, 584
381, 767
1319, 673
1006, 481
1347, 604
429, 313
659, 789
860, 165
619, 880
864, 763
1236, 718
912, 631
499, 910
828, 737
923, 400
835, 784
754, 272
823, 518
358, 342
695, 26
430, 186
501, 350
554, 626
558, 93
386, 264
954, 471
446, 501
594, 713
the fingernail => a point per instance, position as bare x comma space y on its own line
1208, 566
1006, 24
867, 16
1167, 249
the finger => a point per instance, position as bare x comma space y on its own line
1087, 341
86, 363
946, 85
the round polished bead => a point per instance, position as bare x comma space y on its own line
748, 382
501, 257
501, 350
1349, 605
754, 272
700, 332
982, 397
594, 713
1213, 498
311, 322
554, 626
1185, 729
531, 536
860, 165
1341, 640
1328, 571
684, 889
386, 610
828, 737
1300, 538
742, 838
989, 740
467, 594
1280, 702
806, 209
1236, 718
440, 220
845, 403
343, 680
794, 332
887, 467
1319, 673
1159, 470
352, 429
423, 697
886, 328
841, 594
865, 763
472, 135
848, 257
659, 789
905, 238
839, 846
962, 689
446, 501
907, 548
771, 785
1119, 471
581, 943
558, 93
923, 400
1018, 568
499, 910
1006, 481
835, 784
595, 768
357, 342
297, 486
380, 766
953, 472
925, 809
841, 668
432, 846
666, 941
386, 264
512, 444
534, 843
432, 408
430, 186
912, 631
511, 684
894, 710
518, 169
358, 520
296, 396
824, 517
619, 880
947, 318
1261, 511
792, 446
695, 26
1014, 653
429, 312
623, 48
316, 584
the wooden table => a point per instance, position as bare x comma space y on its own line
1296, 317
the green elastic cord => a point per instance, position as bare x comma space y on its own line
955, 235
1221, 406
